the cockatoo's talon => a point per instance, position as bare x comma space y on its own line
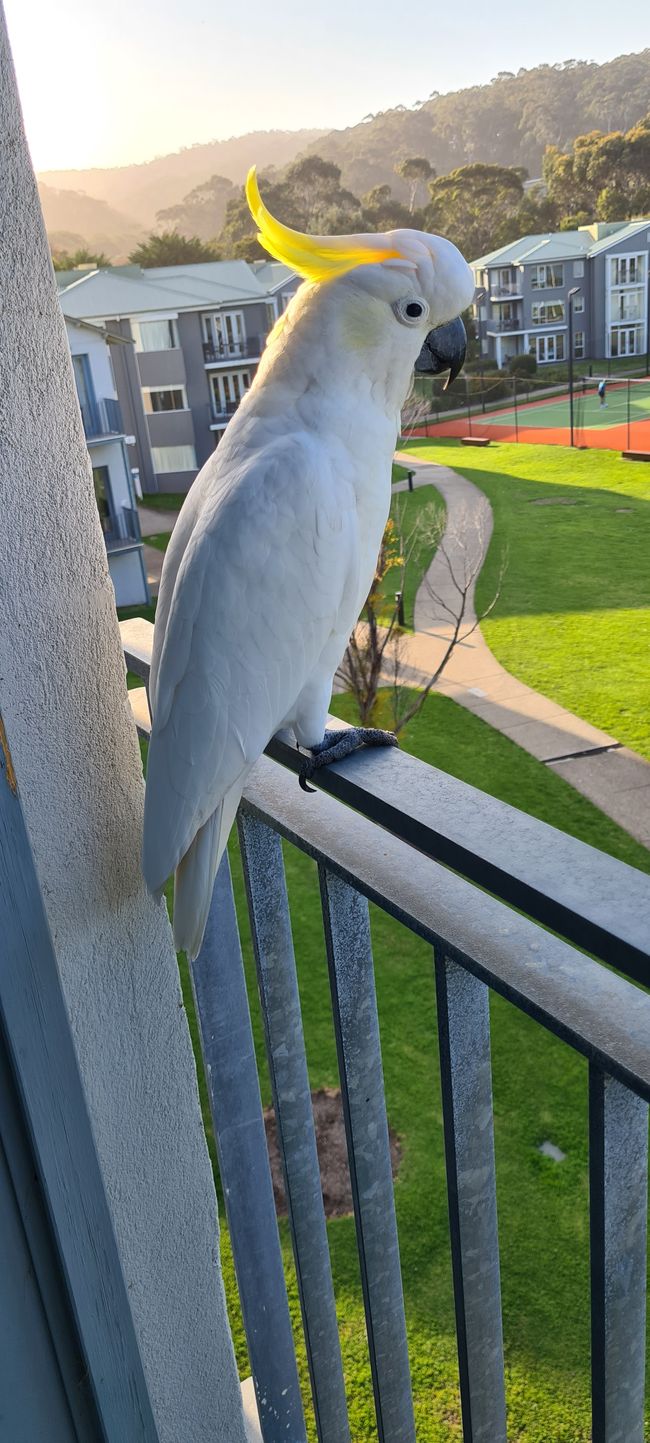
306, 771
339, 744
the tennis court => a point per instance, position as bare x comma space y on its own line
622, 424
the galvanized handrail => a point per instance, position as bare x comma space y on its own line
478, 944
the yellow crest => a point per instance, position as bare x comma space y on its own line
316, 258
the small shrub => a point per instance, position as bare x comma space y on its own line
525, 365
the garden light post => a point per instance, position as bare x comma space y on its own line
574, 292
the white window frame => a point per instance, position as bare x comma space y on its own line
578, 270
229, 388
176, 410
544, 343
625, 261
579, 345
188, 451
625, 333
542, 270
136, 332
225, 331
542, 318
578, 305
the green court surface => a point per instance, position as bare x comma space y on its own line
588, 412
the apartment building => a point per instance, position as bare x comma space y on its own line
197, 335
91, 348
522, 299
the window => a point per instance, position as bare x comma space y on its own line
579, 345
549, 348
224, 333
159, 398
547, 313
155, 335
102, 492
228, 389
578, 270
578, 305
173, 458
544, 277
627, 270
628, 305
625, 340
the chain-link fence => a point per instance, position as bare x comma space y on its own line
596, 411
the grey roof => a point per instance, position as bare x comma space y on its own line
564, 245
272, 274
626, 231
132, 291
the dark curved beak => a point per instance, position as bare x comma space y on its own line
443, 350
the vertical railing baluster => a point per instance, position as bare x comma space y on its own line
231, 1071
618, 1176
464, 1032
278, 984
349, 954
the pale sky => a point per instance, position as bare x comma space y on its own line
106, 82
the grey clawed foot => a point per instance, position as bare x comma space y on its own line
339, 744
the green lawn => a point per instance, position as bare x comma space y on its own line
540, 1091
573, 619
163, 500
413, 512
160, 540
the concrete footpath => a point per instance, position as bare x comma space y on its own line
151, 524
616, 779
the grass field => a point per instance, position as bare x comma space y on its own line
573, 618
414, 513
540, 1090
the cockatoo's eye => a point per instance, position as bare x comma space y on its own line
411, 311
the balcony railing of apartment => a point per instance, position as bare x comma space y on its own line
482, 883
233, 350
222, 414
123, 530
515, 323
505, 293
102, 418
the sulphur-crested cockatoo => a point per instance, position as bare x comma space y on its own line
274, 550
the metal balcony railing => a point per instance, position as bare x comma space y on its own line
481, 882
223, 414
494, 327
233, 350
102, 418
505, 293
122, 529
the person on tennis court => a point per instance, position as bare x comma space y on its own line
602, 387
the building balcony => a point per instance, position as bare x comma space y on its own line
102, 418
247, 350
497, 327
221, 415
511, 292
508, 906
122, 529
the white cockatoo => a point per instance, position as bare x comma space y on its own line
275, 548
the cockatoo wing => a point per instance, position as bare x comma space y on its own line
269, 573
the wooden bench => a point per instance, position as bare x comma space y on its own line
635, 455
475, 441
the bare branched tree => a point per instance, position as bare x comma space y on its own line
380, 653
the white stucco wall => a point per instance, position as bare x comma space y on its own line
84, 343
63, 699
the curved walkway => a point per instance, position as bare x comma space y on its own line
616, 779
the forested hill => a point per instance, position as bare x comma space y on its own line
508, 122
144, 189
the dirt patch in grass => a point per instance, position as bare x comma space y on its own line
332, 1154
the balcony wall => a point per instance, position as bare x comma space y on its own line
77, 769
161, 368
